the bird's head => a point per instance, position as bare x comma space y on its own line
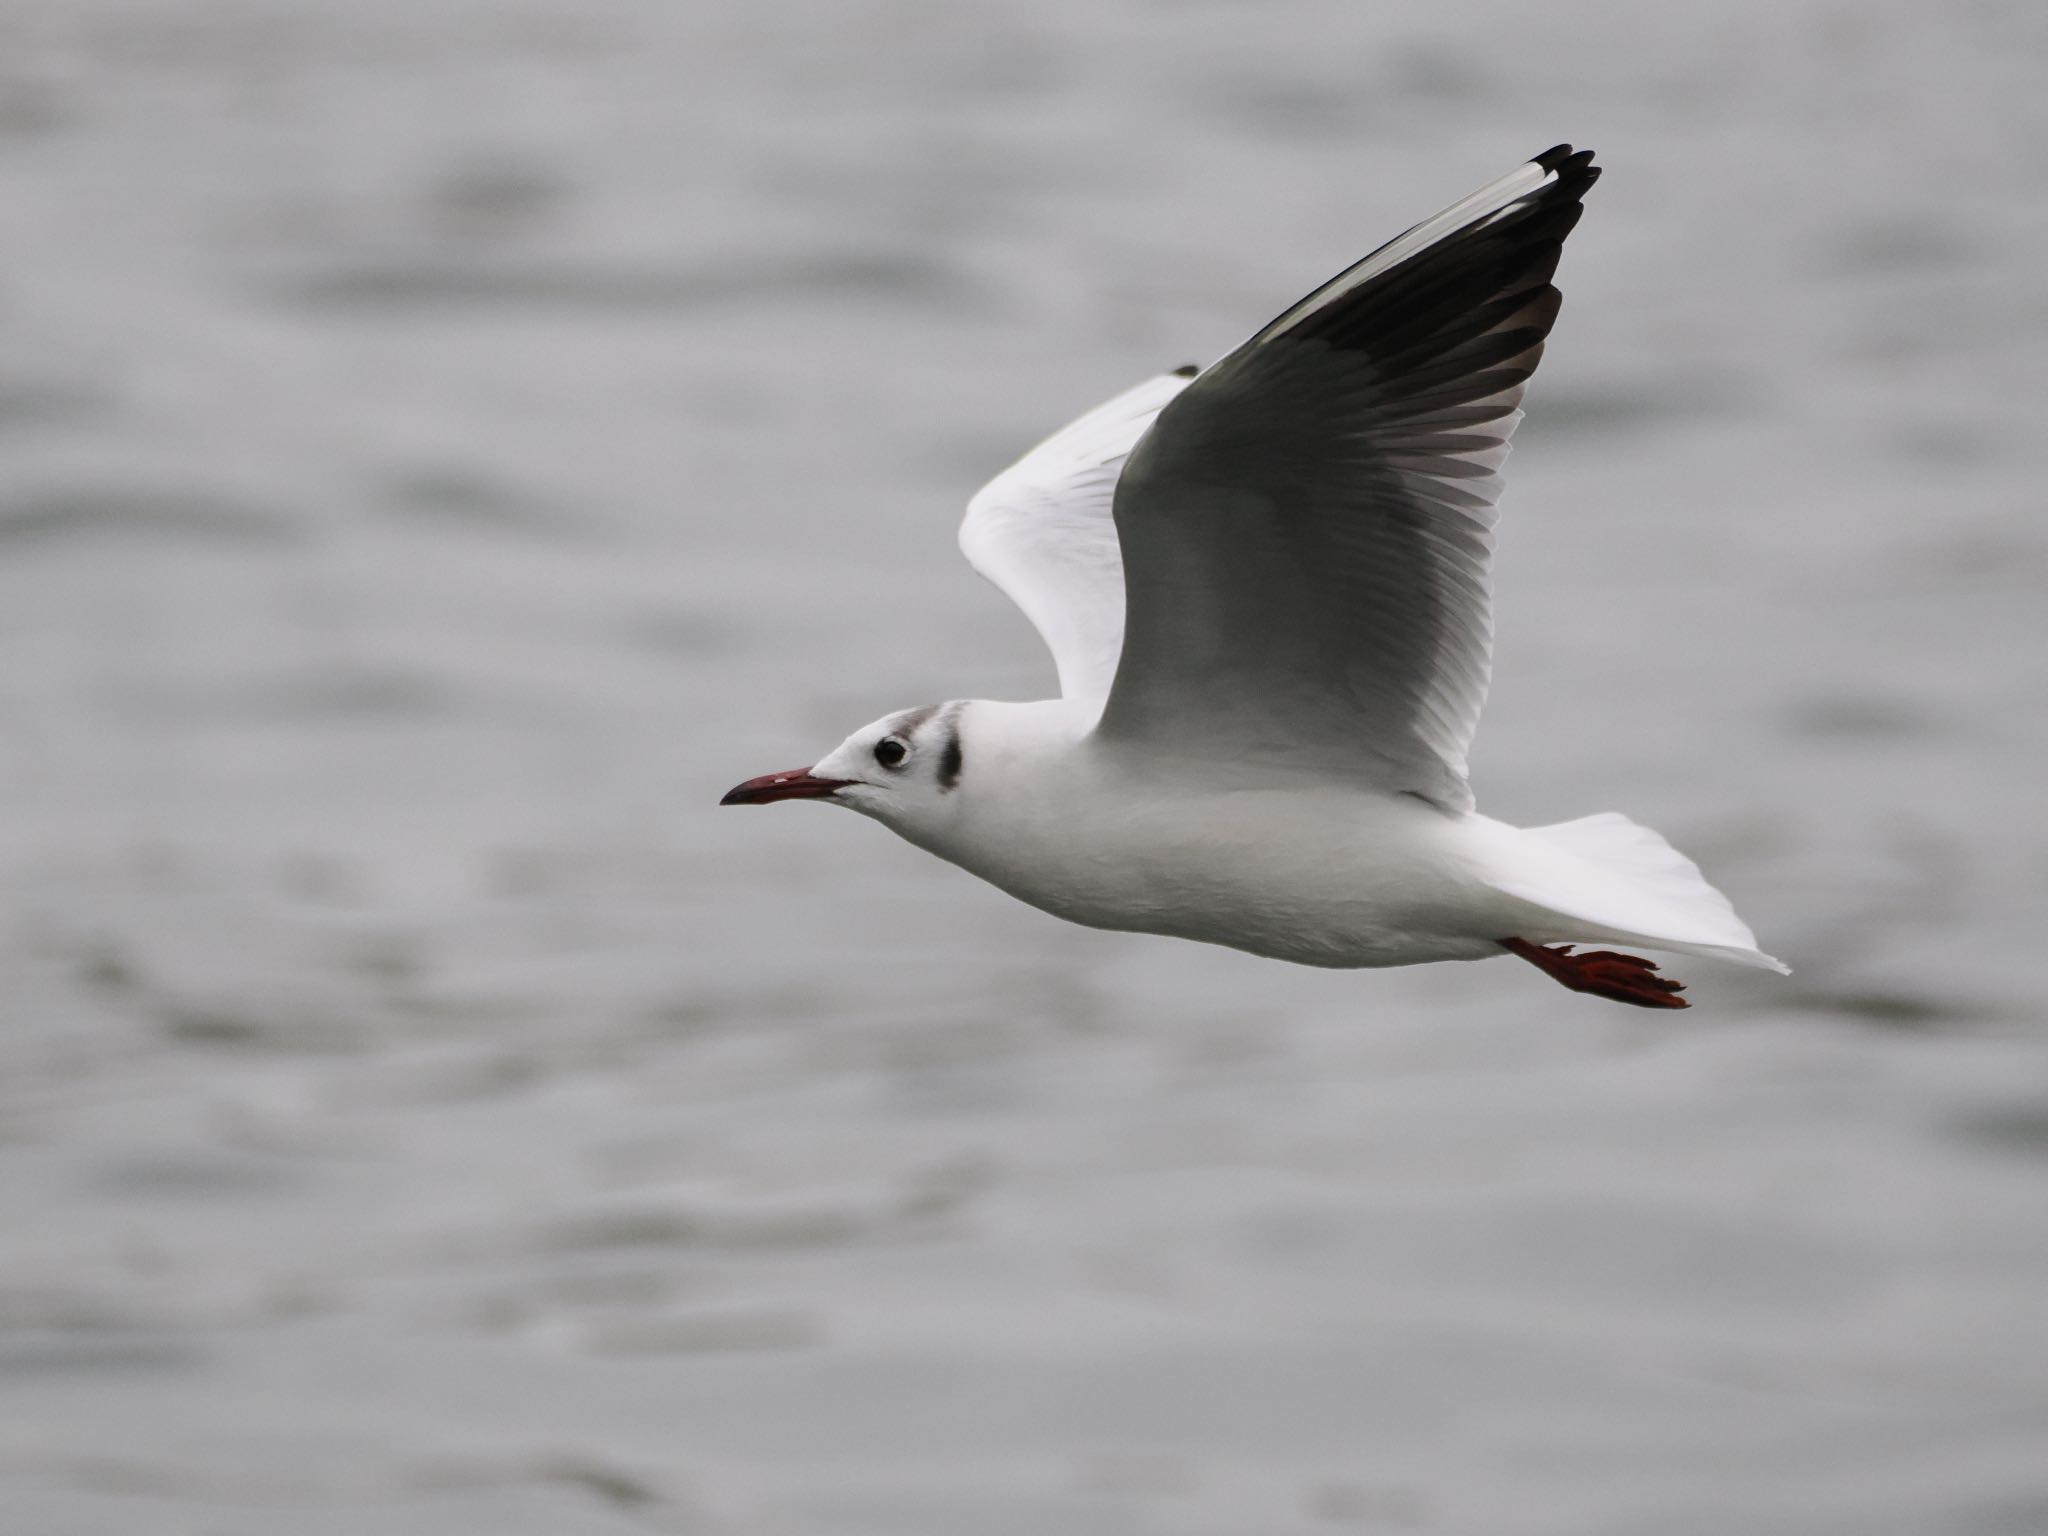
902, 769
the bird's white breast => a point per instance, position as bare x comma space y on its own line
1321, 874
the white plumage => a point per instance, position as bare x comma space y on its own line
1041, 531
1266, 588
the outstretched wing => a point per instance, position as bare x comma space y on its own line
1306, 530
1042, 532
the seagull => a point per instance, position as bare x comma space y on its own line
1265, 585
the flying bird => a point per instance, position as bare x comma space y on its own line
1266, 588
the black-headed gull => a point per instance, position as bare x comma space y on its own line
1265, 585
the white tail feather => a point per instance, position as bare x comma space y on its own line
1615, 880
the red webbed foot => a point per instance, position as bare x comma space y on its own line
1602, 972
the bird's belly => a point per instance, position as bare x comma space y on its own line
1353, 881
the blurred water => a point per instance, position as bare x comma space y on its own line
443, 446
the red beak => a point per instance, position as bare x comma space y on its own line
796, 784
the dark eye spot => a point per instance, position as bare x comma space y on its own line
890, 752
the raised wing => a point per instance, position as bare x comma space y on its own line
1042, 532
1306, 530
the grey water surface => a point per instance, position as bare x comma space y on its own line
444, 445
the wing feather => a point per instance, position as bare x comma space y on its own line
1043, 533
1306, 531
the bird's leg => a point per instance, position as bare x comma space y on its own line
1625, 978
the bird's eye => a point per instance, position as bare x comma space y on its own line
890, 752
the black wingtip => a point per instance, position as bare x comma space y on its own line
1569, 165
1187, 370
